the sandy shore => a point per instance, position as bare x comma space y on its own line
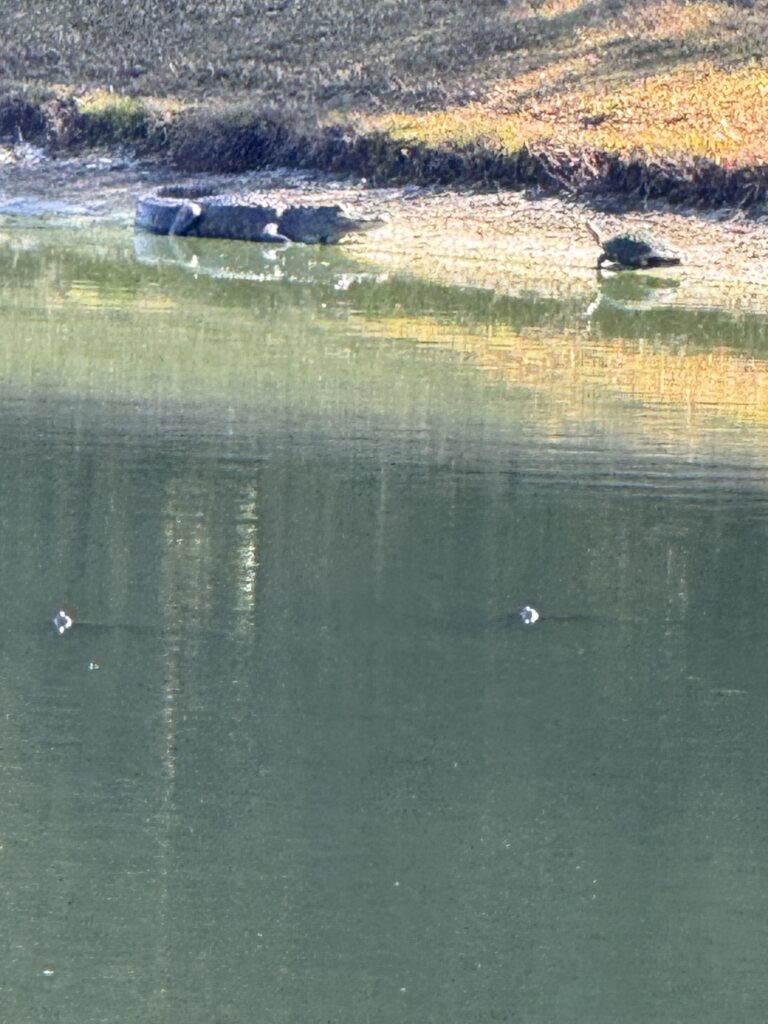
505, 241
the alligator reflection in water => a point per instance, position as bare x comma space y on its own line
627, 306
233, 260
643, 342
638, 339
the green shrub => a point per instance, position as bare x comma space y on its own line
107, 119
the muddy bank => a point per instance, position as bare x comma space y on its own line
232, 138
574, 99
203, 140
505, 241
508, 242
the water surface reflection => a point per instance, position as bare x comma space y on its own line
300, 760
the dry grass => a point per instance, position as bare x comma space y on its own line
666, 80
596, 94
333, 55
699, 111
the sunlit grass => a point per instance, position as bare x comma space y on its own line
663, 20
114, 119
700, 111
554, 8
694, 111
664, 79
636, 84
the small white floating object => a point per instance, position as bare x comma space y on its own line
529, 615
62, 622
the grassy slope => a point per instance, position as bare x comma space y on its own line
662, 80
666, 79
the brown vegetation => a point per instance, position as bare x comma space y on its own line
668, 98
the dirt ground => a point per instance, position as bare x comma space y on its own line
506, 241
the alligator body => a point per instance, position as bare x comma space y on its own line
223, 216
323, 225
166, 216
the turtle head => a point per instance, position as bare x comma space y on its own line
592, 229
62, 622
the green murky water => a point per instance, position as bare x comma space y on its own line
300, 761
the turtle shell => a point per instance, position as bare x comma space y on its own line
636, 249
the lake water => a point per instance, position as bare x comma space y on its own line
300, 762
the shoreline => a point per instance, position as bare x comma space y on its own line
235, 139
614, 106
499, 240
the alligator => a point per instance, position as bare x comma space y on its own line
234, 216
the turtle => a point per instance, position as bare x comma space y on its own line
62, 622
529, 615
633, 250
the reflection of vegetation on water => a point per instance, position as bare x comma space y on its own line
258, 328
565, 363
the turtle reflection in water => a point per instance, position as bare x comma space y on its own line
633, 250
